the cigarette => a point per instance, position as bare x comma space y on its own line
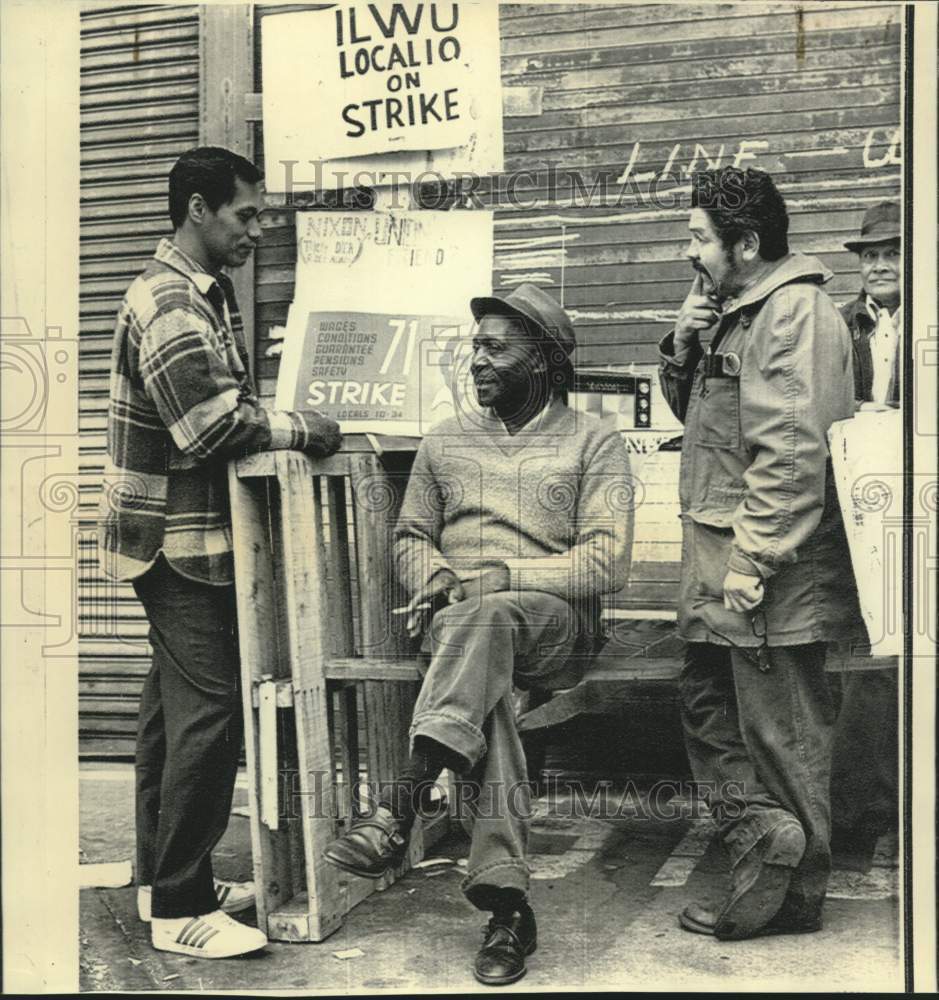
423, 606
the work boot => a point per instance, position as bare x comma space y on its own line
760, 882
372, 847
795, 916
501, 959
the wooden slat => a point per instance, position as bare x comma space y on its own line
260, 658
267, 463
347, 734
610, 679
304, 578
357, 668
628, 29
376, 500
268, 763
342, 641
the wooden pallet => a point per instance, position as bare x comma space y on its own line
316, 644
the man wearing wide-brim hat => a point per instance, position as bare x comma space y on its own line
874, 316
516, 519
865, 767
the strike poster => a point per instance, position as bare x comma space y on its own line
867, 460
378, 333
377, 79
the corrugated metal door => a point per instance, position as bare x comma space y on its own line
139, 111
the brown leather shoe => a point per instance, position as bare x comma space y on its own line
760, 882
501, 959
372, 847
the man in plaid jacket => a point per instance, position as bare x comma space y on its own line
182, 403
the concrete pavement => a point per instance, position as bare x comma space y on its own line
607, 893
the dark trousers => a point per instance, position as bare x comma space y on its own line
865, 766
477, 650
188, 738
763, 738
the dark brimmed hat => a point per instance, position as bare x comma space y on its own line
881, 223
535, 305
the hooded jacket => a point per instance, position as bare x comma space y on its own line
756, 489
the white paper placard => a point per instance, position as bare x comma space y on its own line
867, 459
377, 334
378, 91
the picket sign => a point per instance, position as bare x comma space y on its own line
867, 460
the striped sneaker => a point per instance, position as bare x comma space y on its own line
213, 935
233, 897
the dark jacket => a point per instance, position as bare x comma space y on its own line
756, 488
860, 325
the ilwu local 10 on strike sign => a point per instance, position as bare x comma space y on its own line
375, 80
378, 332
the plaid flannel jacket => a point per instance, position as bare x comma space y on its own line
181, 404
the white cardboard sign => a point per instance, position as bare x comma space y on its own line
867, 460
377, 335
365, 80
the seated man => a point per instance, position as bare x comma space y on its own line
516, 519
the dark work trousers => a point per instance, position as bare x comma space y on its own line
477, 650
865, 765
763, 738
188, 738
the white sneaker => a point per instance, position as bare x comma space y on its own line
233, 897
213, 935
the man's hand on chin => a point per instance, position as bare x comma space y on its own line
742, 592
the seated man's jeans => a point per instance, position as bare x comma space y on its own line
763, 738
477, 651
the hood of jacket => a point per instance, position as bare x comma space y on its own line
793, 267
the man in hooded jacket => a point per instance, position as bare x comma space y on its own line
766, 576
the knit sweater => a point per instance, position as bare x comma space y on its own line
552, 502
